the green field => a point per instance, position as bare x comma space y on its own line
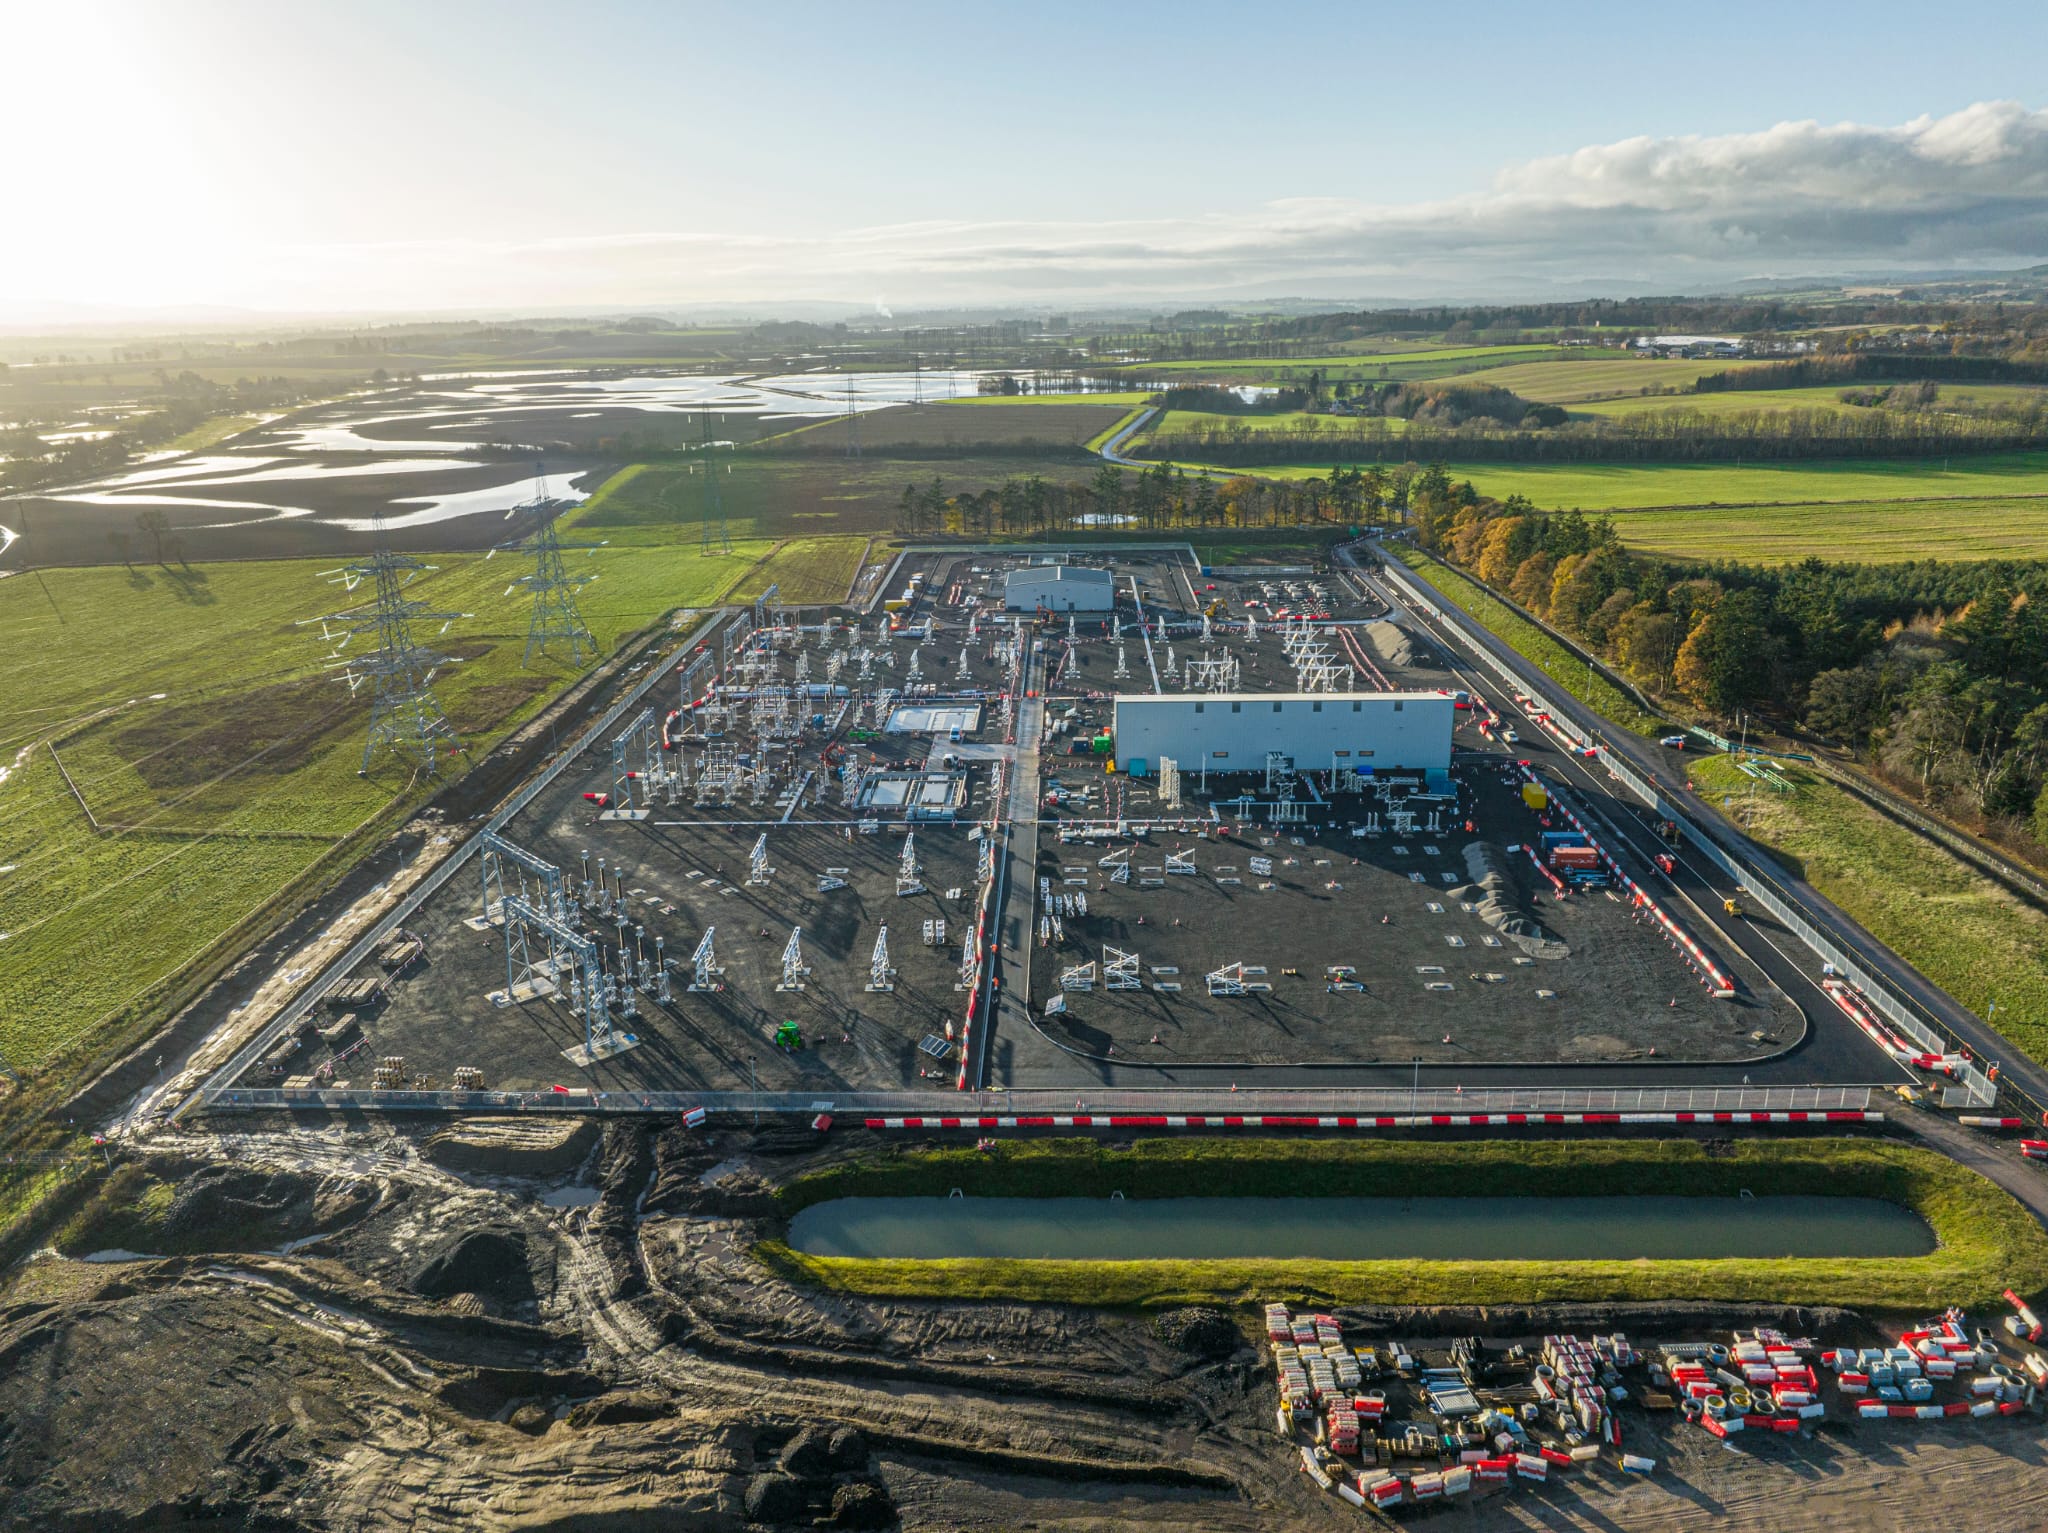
1725, 402
1600, 376
1397, 366
1878, 531
768, 496
1627, 486
1532, 643
1964, 932
1278, 423
1043, 423
1987, 1241
241, 776
805, 571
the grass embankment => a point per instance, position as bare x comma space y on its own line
1987, 1241
1532, 643
1964, 932
212, 432
241, 777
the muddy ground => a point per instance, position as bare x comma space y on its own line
350, 1326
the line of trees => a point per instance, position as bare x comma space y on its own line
1158, 499
1935, 674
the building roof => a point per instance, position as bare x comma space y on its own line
1078, 574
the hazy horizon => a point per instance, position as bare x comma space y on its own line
464, 159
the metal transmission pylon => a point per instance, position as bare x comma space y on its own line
405, 716
556, 617
716, 535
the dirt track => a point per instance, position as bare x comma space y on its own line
526, 1344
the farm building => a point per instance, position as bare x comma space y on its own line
1234, 731
1058, 588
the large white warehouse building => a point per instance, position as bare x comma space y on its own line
1058, 588
1233, 731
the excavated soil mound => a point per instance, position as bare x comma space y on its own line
773, 1498
239, 1205
491, 1262
863, 1504
809, 1454
1202, 1332
514, 1146
1492, 893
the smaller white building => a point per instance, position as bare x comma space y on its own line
1058, 588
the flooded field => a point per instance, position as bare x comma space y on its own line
447, 463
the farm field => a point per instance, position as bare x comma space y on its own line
1287, 423
1401, 366
1053, 422
193, 714
1880, 531
1583, 378
808, 495
805, 570
1624, 486
1967, 934
1740, 401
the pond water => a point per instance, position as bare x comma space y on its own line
1360, 1229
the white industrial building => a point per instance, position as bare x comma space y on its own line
1058, 588
1317, 731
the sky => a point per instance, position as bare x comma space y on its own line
380, 156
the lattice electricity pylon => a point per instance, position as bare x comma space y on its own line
1279, 771
794, 969
758, 871
1180, 862
556, 618
1119, 864
496, 853
1208, 628
1081, 977
1123, 668
1228, 980
1251, 626
717, 530
881, 978
908, 869
704, 969
963, 672
1119, 969
405, 716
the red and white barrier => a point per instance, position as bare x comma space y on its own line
1994, 1123
1345, 1120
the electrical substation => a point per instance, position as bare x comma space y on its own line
1240, 825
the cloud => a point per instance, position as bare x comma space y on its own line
1800, 198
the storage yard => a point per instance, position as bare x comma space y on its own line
1382, 1426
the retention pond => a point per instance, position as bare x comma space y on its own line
1360, 1229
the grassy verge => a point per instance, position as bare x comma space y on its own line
1987, 1241
210, 432
1965, 933
1532, 643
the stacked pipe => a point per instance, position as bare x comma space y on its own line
1718, 984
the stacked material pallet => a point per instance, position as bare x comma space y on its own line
1575, 1381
